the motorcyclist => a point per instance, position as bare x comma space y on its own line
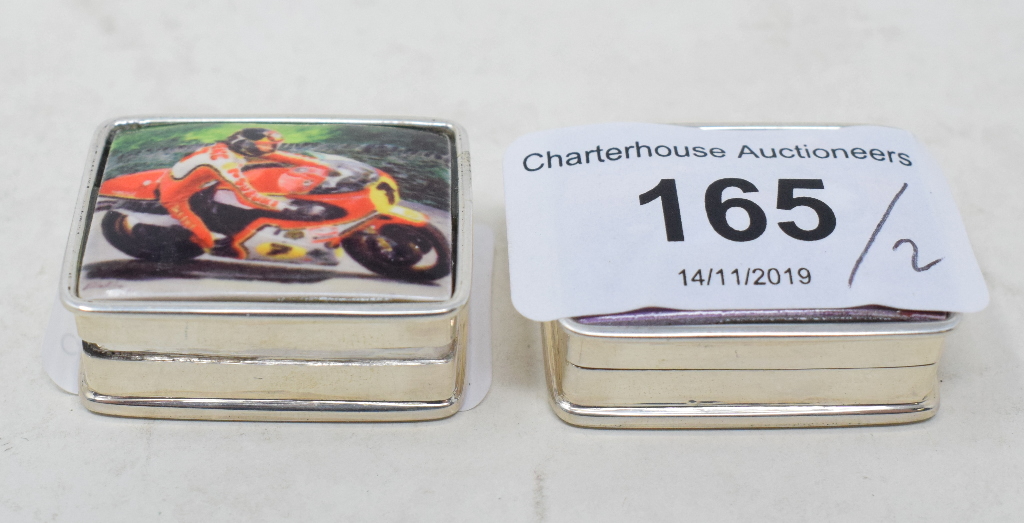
223, 162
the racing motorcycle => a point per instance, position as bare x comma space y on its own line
346, 205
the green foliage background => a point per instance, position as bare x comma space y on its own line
419, 160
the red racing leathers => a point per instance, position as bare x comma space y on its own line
206, 167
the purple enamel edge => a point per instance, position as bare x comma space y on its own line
655, 316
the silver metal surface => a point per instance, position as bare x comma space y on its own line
270, 335
761, 346
743, 416
744, 375
766, 329
257, 389
137, 374
218, 409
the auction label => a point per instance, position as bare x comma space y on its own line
615, 217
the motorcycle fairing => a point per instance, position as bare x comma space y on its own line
135, 186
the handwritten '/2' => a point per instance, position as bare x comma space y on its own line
874, 235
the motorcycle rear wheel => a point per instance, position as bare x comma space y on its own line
402, 252
149, 242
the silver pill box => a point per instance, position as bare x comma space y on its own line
296, 269
661, 368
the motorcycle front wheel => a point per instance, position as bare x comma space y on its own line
402, 252
149, 242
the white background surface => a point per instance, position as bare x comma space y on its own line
949, 72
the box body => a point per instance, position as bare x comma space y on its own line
762, 374
344, 300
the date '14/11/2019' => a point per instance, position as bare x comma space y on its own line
751, 276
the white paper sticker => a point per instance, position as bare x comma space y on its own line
615, 217
478, 355
62, 348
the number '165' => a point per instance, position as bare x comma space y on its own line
716, 209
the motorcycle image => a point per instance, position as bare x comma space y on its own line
347, 206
